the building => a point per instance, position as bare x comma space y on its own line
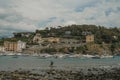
37, 38
14, 46
86, 33
89, 38
2, 49
67, 32
10, 46
52, 39
20, 46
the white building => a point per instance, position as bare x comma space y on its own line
20, 46
2, 49
37, 38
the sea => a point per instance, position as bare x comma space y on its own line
8, 63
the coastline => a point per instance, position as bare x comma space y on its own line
86, 71
61, 55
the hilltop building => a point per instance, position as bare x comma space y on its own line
86, 33
37, 38
68, 33
89, 38
52, 39
14, 46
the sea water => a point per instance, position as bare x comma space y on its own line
38, 63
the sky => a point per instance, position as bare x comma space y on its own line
29, 15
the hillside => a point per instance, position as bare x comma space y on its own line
105, 39
102, 34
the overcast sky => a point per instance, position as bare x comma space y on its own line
29, 15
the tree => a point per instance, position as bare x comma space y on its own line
112, 48
82, 49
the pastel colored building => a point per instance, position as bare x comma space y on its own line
14, 46
37, 38
52, 39
2, 49
10, 46
89, 38
20, 46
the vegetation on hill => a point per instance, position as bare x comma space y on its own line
105, 38
102, 34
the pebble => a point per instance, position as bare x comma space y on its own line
91, 74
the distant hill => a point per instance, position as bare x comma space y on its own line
102, 34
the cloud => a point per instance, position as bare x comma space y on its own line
70, 23
44, 23
21, 26
28, 15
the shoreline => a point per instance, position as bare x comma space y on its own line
61, 55
88, 72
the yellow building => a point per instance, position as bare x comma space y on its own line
52, 39
10, 46
14, 46
89, 38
